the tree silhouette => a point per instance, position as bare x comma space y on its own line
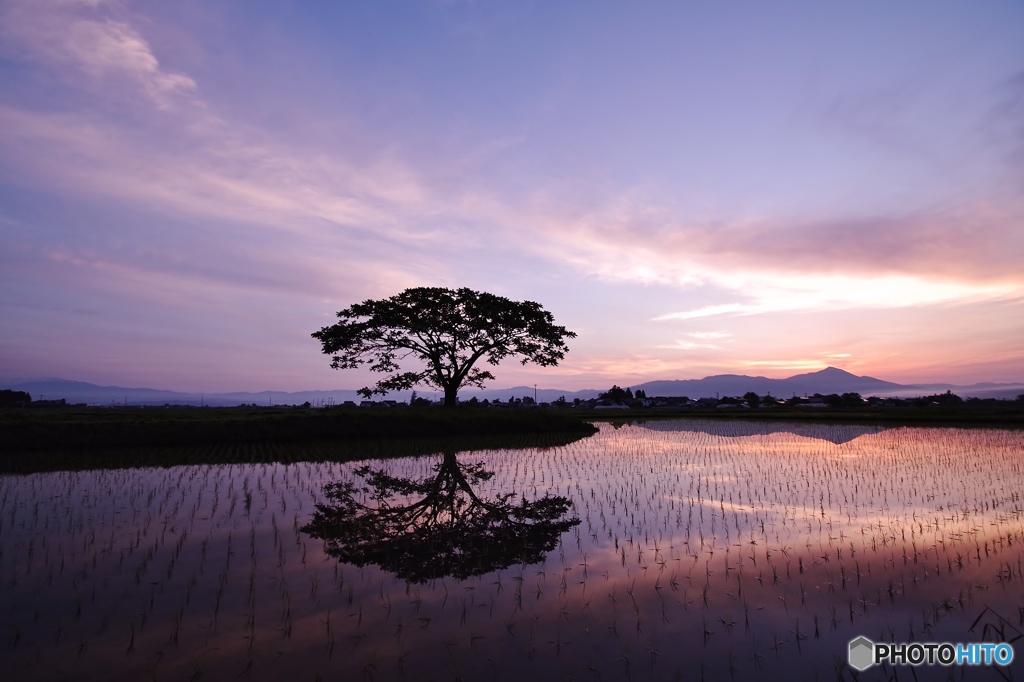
616, 394
833, 400
447, 331
437, 526
11, 398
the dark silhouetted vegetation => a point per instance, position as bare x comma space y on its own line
87, 428
447, 332
443, 530
9, 398
947, 399
616, 394
266, 452
937, 410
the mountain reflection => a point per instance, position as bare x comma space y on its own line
437, 526
833, 433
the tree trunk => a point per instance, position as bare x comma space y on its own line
450, 393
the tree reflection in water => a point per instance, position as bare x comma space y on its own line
448, 531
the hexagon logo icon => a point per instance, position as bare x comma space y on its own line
862, 653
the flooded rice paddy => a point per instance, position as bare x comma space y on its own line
703, 550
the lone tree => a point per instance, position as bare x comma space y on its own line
445, 333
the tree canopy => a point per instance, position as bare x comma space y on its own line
444, 332
616, 394
10, 398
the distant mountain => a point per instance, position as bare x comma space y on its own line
983, 390
829, 380
82, 392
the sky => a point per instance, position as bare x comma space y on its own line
189, 189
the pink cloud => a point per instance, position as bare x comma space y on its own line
88, 37
979, 242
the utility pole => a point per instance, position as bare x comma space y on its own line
535, 394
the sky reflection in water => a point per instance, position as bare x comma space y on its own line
732, 550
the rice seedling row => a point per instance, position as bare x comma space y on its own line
706, 550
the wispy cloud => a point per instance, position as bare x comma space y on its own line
87, 36
807, 292
708, 311
184, 188
173, 153
710, 335
687, 345
786, 364
216, 169
979, 243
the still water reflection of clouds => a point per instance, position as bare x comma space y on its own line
712, 548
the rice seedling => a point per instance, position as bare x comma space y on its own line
687, 530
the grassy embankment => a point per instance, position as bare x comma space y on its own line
70, 438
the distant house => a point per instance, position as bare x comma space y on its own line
616, 406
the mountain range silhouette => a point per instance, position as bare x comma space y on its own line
828, 380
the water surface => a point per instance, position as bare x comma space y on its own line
704, 548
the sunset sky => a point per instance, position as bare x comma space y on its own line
189, 189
